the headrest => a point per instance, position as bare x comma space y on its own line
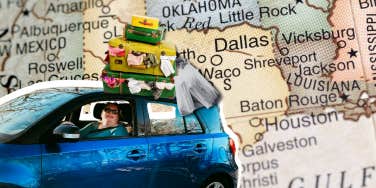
125, 110
98, 110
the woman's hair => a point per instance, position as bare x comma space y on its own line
112, 103
117, 106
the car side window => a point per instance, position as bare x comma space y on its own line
88, 117
165, 119
92, 114
192, 124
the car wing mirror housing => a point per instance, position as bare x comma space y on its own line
67, 131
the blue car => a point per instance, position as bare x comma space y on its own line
40, 144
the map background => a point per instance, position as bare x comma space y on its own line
263, 83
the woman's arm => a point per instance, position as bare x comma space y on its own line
88, 128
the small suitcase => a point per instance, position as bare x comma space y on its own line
117, 82
119, 63
145, 22
152, 36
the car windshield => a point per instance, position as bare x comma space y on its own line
20, 113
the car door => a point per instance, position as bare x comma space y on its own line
20, 151
20, 165
177, 150
96, 163
100, 162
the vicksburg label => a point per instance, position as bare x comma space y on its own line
312, 36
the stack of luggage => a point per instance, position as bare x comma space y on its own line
141, 62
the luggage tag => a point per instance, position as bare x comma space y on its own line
166, 67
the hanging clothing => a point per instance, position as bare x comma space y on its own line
192, 89
134, 86
166, 67
144, 85
135, 59
113, 51
112, 82
164, 85
150, 60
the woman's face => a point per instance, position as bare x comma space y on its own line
110, 114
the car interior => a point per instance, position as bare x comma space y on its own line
126, 116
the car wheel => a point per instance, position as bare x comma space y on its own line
217, 182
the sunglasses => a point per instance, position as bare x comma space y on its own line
108, 110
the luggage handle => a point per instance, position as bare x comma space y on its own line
118, 61
145, 22
171, 79
141, 67
139, 33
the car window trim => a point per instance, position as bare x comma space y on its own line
148, 123
35, 138
114, 97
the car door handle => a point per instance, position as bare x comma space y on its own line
200, 148
136, 154
185, 145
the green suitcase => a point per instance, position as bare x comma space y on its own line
117, 82
152, 36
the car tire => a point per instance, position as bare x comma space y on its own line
217, 182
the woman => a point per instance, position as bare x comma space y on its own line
108, 126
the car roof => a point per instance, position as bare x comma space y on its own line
82, 84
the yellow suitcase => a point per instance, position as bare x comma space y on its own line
145, 22
120, 63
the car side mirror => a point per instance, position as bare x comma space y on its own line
68, 131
